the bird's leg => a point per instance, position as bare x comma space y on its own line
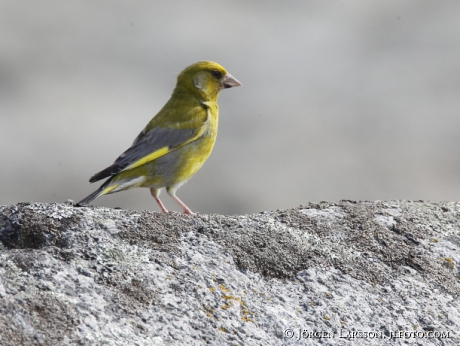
156, 193
172, 192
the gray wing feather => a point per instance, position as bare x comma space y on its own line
145, 144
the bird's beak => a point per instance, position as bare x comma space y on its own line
230, 81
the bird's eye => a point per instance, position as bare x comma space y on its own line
216, 74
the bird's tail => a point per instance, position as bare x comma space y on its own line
89, 199
99, 192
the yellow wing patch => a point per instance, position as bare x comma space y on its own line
108, 189
149, 157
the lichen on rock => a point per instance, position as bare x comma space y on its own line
92, 275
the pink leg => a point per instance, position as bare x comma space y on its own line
172, 193
156, 193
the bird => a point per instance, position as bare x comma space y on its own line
176, 142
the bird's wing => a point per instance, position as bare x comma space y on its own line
152, 144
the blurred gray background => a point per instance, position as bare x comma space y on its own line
340, 99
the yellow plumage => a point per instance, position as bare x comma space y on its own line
176, 142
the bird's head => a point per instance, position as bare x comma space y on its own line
207, 79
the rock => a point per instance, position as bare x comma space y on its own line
333, 273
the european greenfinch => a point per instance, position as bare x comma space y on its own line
176, 142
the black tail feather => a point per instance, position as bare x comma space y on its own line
91, 197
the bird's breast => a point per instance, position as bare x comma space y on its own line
198, 151
212, 119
